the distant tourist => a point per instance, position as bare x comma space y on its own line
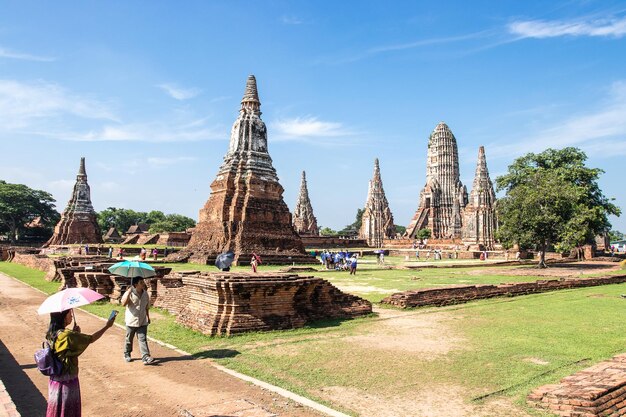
120, 253
518, 256
253, 263
155, 254
87, 249
99, 249
80, 250
64, 390
417, 255
353, 264
137, 318
165, 252
142, 254
110, 251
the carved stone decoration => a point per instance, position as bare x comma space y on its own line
245, 212
304, 221
479, 216
78, 222
444, 196
377, 221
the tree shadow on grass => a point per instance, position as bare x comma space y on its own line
27, 398
216, 354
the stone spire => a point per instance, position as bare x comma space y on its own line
245, 212
78, 222
479, 216
304, 221
377, 221
443, 197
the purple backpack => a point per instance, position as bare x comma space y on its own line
47, 361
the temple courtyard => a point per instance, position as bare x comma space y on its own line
480, 358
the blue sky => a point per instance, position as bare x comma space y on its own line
147, 91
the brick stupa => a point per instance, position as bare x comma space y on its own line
444, 196
245, 212
479, 216
377, 221
304, 221
78, 222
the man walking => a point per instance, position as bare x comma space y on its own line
137, 317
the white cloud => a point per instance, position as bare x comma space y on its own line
179, 93
156, 161
612, 27
7, 53
596, 131
291, 20
144, 132
308, 127
23, 103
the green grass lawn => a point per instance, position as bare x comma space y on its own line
499, 348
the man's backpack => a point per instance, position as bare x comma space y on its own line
47, 361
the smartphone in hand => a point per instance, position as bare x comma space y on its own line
113, 314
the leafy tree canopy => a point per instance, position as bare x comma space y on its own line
616, 235
552, 198
355, 226
423, 234
122, 219
20, 205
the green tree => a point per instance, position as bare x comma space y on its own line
616, 235
121, 219
552, 198
172, 223
355, 226
423, 234
19, 205
327, 231
400, 229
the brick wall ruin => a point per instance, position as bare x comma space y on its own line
231, 303
464, 293
599, 390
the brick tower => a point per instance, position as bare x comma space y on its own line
78, 222
377, 221
304, 221
444, 196
245, 212
479, 216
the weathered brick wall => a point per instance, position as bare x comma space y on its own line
229, 303
324, 242
464, 293
40, 262
599, 390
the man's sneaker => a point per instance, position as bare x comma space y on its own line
148, 360
127, 357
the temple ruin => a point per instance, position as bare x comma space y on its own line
304, 221
479, 216
245, 212
377, 220
443, 207
78, 222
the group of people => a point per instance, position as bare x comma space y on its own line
143, 253
64, 398
340, 261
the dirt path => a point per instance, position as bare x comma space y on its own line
176, 386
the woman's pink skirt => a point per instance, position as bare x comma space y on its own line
64, 397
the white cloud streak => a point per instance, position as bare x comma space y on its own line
145, 132
597, 131
308, 127
613, 27
156, 161
291, 20
7, 53
23, 103
179, 93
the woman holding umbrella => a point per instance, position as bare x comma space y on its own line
64, 390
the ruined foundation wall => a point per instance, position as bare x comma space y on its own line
599, 390
227, 303
466, 293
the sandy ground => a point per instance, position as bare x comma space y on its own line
568, 270
176, 386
